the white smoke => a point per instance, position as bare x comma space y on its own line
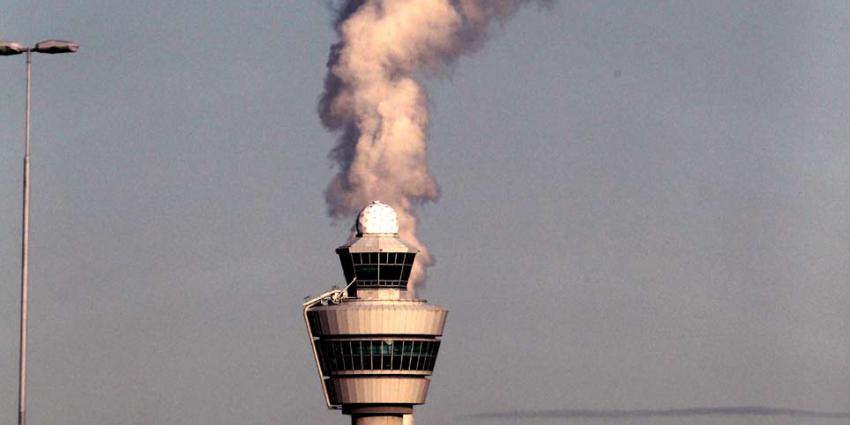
372, 96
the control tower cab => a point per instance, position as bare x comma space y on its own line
374, 344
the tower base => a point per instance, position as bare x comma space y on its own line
377, 420
378, 415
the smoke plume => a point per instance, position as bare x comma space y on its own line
373, 98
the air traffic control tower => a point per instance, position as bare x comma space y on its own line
373, 343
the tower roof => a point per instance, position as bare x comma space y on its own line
377, 231
377, 218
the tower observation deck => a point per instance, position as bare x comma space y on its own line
374, 344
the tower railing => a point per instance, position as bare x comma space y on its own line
334, 296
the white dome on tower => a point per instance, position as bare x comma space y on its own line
377, 218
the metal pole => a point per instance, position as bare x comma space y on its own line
25, 245
333, 296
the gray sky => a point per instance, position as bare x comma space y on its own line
645, 207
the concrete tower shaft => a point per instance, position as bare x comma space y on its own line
375, 345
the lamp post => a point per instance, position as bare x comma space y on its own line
8, 48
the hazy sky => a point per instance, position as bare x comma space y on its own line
644, 207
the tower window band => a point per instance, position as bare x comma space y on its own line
376, 354
378, 269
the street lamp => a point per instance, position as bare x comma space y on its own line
8, 48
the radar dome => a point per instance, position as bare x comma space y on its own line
377, 218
